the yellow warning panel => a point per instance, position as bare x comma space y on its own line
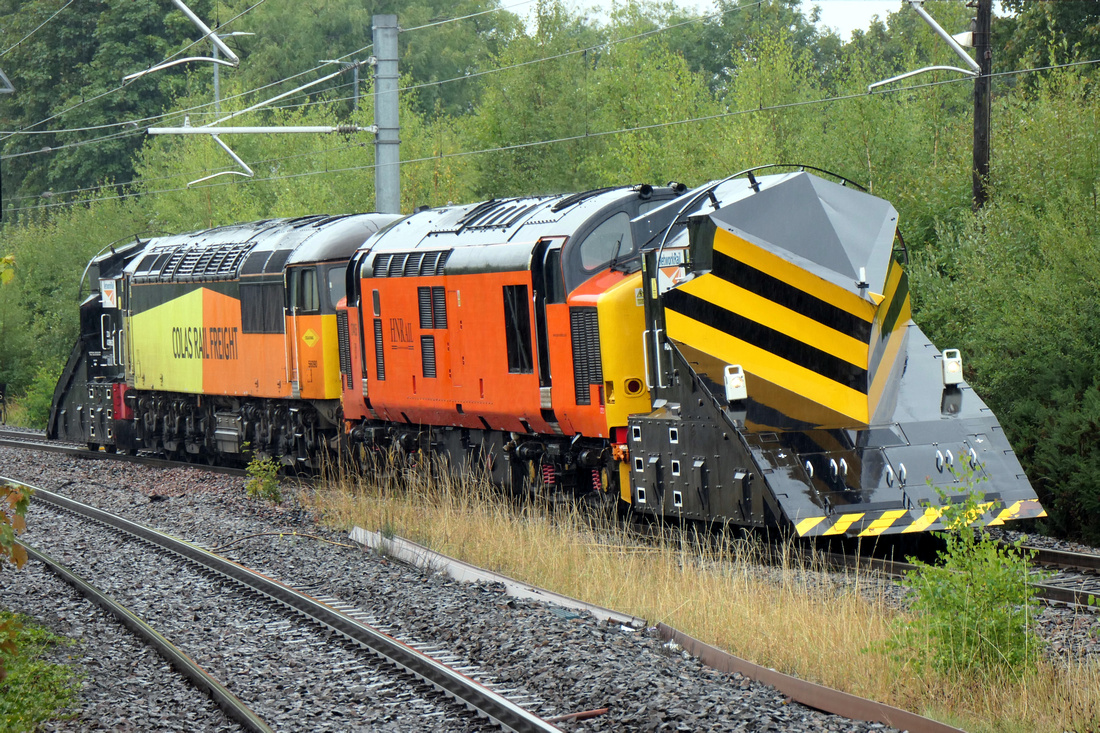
169, 344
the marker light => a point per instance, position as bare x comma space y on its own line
952, 367
736, 388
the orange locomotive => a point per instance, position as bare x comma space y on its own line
502, 331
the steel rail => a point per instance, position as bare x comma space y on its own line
229, 703
1080, 591
497, 708
1073, 591
1064, 559
38, 441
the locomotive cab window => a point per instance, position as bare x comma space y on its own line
303, 296
337, 286
610, 241
517, 327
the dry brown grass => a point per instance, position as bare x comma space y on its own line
787, 618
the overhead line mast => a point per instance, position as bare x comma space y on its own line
982, 96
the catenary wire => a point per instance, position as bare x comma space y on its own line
464, 17
572, 138
112, 91
15, 45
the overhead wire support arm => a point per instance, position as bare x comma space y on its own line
918, 6
214, 133
213, 130
233, 59
906, 75
974, 68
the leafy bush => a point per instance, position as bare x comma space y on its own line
14, 501
35, 689
263, 481
973, 612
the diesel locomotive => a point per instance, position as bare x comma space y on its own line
741, 352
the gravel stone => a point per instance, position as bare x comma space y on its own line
556, 663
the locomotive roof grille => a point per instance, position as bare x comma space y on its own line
495, 213
410, 264
193, 264
579, 197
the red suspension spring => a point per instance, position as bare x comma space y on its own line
549, 474
597, 484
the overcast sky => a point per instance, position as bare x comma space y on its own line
848, 15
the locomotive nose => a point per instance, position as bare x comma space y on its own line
890, 480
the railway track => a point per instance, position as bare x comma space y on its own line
1074, 578
331, 617
1070, 577
36, 440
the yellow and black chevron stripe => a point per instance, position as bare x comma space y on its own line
905, 521
792, 328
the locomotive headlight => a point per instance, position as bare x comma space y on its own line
952, 367
736, 387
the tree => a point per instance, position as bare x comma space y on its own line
1041, 32
69, 71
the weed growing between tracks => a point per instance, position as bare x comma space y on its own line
836, 630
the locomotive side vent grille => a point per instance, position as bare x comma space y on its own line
410, 264
587, 361
344, 339
381, 266
433, 306
439, 307
424, 299
379, 355
427, 355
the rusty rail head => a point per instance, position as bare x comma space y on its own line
808, 693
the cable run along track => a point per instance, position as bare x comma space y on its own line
469, 692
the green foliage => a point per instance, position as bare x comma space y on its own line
67, 70
35, 690
1015, 288
35, 404
972, 613
14, 501
263, 480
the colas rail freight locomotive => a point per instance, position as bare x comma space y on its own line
742, 352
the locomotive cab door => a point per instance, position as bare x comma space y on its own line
303, 310
549, 286
312, 294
